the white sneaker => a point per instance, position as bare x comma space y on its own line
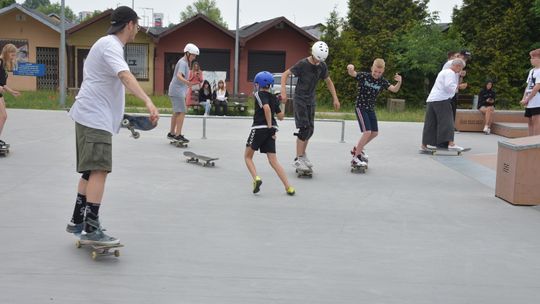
487, 130
364, 156
306, 161
356, 161
300, 165
431, 147
455, 147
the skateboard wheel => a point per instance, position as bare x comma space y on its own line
117, 253
94, 255
125, 122
78, 244
136, 135
213, 164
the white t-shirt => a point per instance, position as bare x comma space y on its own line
220, 95
532, 80
445, 86
101, 99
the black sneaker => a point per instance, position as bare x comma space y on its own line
181, 138
170, 136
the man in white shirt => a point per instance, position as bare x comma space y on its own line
98, 111
439, 121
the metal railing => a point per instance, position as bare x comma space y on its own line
205, 118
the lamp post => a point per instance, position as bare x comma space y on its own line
62, 56
236, 48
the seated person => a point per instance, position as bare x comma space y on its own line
486, 105
205, 97
220, 98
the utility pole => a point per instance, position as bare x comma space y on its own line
151, 18
62, 58
236, 48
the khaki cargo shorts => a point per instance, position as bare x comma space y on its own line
94, 149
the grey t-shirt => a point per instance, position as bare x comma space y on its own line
308, 75
176, 87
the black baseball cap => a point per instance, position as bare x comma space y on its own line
121, 16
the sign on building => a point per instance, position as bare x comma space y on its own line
29, 69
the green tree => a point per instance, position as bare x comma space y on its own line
419, 54
4, 3
205, 7
371, 29
55, 9
500, 35
33, 4
94, 13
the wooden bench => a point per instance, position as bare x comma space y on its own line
505, 122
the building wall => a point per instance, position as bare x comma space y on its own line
37, 34
199, 32
288, 40
86, 37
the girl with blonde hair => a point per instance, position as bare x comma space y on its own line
8, 58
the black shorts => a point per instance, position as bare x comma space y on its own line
262, 139
530, 112
304, 115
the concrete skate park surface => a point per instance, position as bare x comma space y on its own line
414, 229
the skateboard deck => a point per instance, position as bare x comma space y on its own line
204, 160
102, 250
133, 122
443, 151
304, 173
179, 143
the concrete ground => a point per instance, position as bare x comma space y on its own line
413, 229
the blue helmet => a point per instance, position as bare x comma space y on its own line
264, 79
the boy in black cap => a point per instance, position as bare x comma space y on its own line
97, 112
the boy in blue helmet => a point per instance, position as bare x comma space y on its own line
263, 131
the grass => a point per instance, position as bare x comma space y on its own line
49, 100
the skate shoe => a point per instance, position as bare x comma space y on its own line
487, 130
364, 156
170, 136
300, 165
75, 228
4, 144
358, 162
306, 161
455, 148
181, 138
353, 151
257, 182
98, 237
290, 191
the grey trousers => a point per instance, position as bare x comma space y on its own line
438, 123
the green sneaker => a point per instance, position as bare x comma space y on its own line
257, 184
290, 191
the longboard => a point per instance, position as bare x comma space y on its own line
196, 158
133, 122
443, 151
101, 250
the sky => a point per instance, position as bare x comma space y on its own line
300, 12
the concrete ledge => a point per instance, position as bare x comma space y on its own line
510, 129
473, 120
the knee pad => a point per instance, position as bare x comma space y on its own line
303, 133
86, 175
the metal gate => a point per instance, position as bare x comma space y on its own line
49, 57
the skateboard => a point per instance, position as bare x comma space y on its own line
101, 250
4, 150
443, 151
358, 169
133, 122
179, 143
204, 160
304, 173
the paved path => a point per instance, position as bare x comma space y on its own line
414, 229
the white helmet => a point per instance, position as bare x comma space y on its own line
192, 49
319, 50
